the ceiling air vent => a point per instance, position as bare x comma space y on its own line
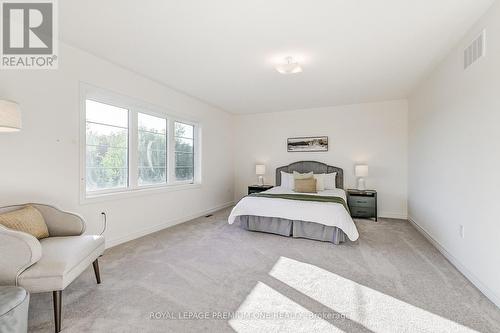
475, 50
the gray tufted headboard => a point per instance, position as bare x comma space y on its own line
315, 167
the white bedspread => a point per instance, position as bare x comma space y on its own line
327, 213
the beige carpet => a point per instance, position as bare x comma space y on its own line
232, 280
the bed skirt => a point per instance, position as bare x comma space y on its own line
292, 228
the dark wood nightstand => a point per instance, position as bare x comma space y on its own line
362, 204
258, 188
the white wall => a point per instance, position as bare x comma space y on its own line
374, 133
454, 158
41, 163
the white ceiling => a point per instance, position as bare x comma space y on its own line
222, 51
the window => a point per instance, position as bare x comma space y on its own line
152, 144
106, 146
184, 152
127, 147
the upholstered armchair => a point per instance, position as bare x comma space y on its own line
52, 263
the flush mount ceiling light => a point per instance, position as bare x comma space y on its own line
291, 66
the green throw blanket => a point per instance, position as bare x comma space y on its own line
302, 197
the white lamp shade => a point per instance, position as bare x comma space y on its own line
10, 116
260, 169
361, 170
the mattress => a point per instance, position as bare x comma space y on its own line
309, 219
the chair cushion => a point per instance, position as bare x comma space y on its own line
10, 297
63, 260
14, 303
28, 220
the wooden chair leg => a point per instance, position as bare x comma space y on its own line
96, 271
57, 297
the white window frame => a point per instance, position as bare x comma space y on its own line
134, 107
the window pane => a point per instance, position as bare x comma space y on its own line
184, 173
150, 157
104, 135
152, 145
106, 178
151, 176
184, 160
106, 114
183, 130
185, 145
152, 124
184, 151
106, 146
106, 157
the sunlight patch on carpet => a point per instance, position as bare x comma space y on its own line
374, 310
266, 310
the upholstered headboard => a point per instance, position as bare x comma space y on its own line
315, 167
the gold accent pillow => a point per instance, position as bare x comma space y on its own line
28, 220
305, 185
298, 175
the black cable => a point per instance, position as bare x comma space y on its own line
105, 223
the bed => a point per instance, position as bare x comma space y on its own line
323, 216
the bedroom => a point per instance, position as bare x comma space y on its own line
190, 102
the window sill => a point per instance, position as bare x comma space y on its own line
141, 191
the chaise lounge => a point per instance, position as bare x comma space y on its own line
52, 263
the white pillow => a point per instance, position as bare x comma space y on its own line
320, 182
298, 175
330, 181
287, 180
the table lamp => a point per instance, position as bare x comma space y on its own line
10, 116
260, 170
361, 171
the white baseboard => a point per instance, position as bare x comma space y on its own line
458, 265
143, 232
392, 215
